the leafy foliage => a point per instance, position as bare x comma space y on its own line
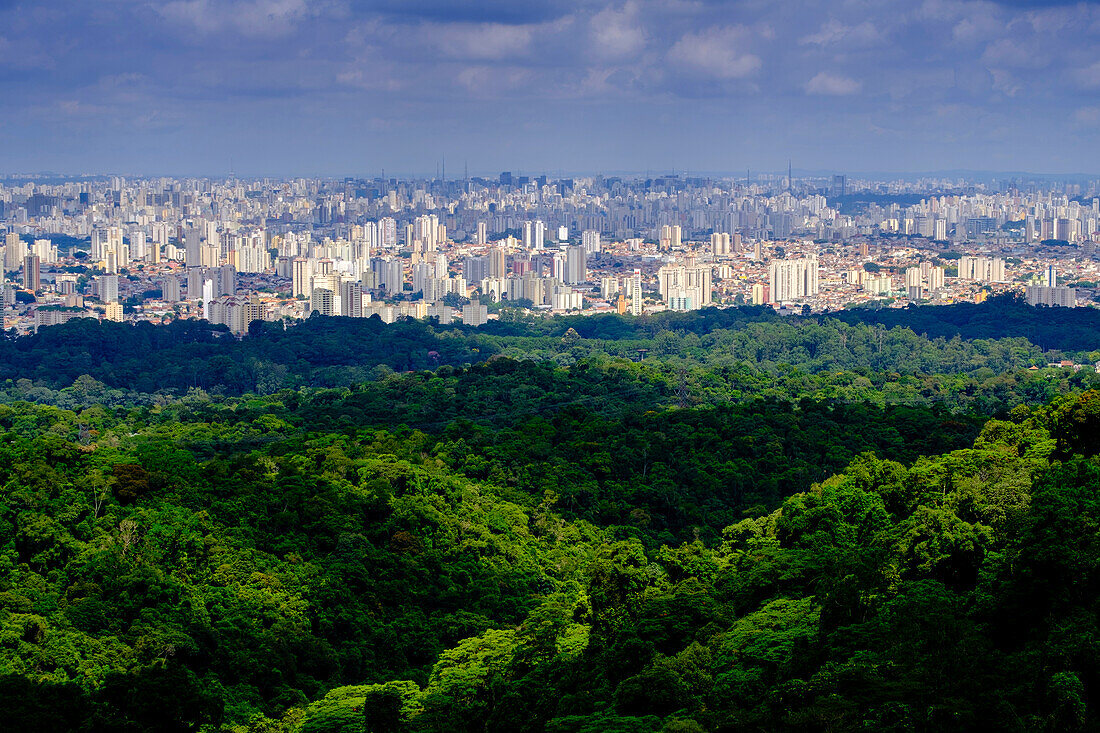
579, 544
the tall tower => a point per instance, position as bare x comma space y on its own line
32, 279
300, 277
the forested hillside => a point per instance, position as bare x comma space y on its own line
543, 535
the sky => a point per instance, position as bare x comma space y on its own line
335, 88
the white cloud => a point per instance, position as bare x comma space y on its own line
489, 41
982, 22
716, 52
617, 33
1005, 82
488, 81
1014, 54
833, 31
831, 84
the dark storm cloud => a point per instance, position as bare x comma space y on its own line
311, 85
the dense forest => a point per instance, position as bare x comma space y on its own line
763, 523
978, 357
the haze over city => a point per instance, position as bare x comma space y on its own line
323, 87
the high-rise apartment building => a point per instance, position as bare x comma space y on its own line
1051, 296
107, 288
685, 288
352, 299
301, 277
475, 314
192, 248
32, 277
590, 240
496, 266
113, 311
985, 269
323, 301
170, 289
720, 244
633, 291
793, 279
539, 229
15, 249
576, 265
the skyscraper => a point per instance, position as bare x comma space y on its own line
107, 287
170, 289
390, 276
227, 280
576, 265
539, 234
793, 279
137, 244
591, 241
986, 269
351, 299
685, 288
633, 288
300, 277
496, 263
720, 244
15, 249
31, 274
192, 248
839, 186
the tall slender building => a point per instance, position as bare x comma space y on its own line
590, 239
351, 299
301, 277
576, 265
32, 278
633, 288
539, 229
192, 248
496, 264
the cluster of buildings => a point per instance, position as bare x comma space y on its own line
233, 252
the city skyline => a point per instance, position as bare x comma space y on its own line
234, 253
294, 87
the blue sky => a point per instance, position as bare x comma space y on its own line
330, 87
